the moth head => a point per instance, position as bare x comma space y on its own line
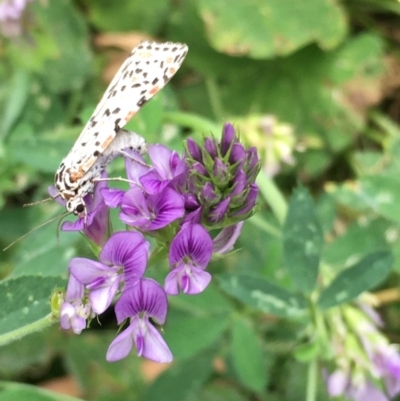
76, 206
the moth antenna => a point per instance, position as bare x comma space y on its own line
39, 202
64, 214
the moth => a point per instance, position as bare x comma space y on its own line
147, 70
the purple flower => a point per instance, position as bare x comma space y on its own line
222, 176
135, 169
95, 224
218, 213
139, 303
226, 239
387, 362
189, 255
228, 138
368, 367
247, 203
123, 259
76, 309
10, 13
341, 383
211, 146
194, 150
151, 212
168, 170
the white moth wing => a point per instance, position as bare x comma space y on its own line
145, 72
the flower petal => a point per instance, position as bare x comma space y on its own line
190, 279
52, 191
69, 319
167, 207
192, 241
112, 196
101, 298
226, 239
86, 271
135, 211
135, 167
121, 345
337, 383
218, 213
75, 289
194, 150
128, 250
160, 155
77, 225
227, 139
153, 345
146, 296
97, 226
153, 183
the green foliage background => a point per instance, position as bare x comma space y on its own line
326, 68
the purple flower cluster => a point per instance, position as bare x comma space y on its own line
367, 365
176, 201
10, 14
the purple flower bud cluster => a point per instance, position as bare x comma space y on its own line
176, 201
367, 365
221, 178
10, 14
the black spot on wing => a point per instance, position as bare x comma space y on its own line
141, 101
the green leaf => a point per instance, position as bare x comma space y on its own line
382, 195
190, 335
36, 349
307, 352
181, 381
43, 154
18, 391
362, 276
262, 295
127, 15
43, 253
361, 237
24, 302
248, 356
69, 65
18, 95
261, 29
378, 193
302, 241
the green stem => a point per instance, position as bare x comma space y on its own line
215, 100
193, 121
312, 375
273, 196
260, 223
158, 255
28, 329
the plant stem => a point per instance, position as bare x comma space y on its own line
311, 394
28, 329
273, 196
215, 100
